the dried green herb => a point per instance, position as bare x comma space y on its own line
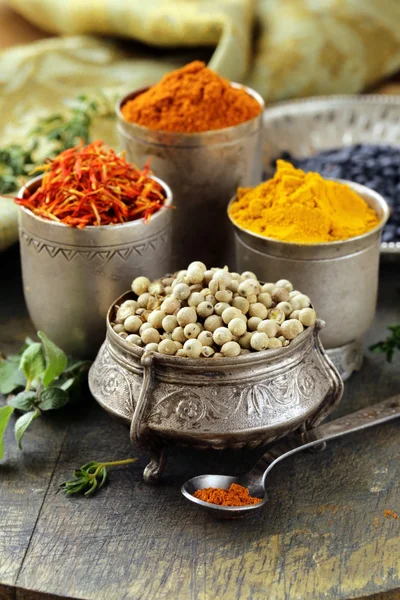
390, 344
91, 477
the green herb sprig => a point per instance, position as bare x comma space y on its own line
50, 136
91, 477
39, 378
390, 344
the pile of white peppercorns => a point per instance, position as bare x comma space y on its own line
200, 312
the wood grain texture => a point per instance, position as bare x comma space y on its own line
323, 535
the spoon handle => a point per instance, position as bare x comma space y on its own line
370, 416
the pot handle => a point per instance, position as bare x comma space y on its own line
335, 392
137, 427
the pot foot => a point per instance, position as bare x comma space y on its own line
155, 468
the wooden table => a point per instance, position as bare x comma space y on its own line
324, 534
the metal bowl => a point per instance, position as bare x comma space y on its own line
204, 170
340, 277
247, 401
305, 127
71, 275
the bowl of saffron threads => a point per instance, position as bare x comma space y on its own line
88, 222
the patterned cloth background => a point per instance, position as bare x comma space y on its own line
300, 47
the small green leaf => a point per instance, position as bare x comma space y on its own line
56, 359
5, 414
8, 374
67, 384
23, 401
52, 398
32, 362
23, 423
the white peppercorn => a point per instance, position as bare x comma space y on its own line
143, 299
222, 276
178, 335
277, 315
280, 294
248, 275
153, 303
307, 316
192, 348
152, 347
231, 313
295, 314
206, 338
211, 299
133, 324
186, 315
284, 283
181, 291
265, 299
233, 286
206, 351
222, 335
220, 307
127, 309
291, 329
195, 274
195, 299
244, 340
244, 351
259, 341
258, 310
123, 334
269, 327
133, 338
268, 288
156, 288
144, 327
156, 318
178, 345
274, 343
191, 330
253, 323
241, 303
140, 285
169, 323
224, 296
286, 307
181, 352
249, 287
300, 301
212, 323
230, 349
198, 264
205, 309
170, 305
207, 276
167, 347
150, 336
119, 328
237, 327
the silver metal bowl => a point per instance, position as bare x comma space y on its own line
247, 401
305, 127
341, 278
204, 170
71, 276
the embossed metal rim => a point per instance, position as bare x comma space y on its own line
208, 364
297, 108
137, 223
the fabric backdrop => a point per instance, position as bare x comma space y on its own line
282, 48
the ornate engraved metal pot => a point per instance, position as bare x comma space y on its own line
71, 275
247, 401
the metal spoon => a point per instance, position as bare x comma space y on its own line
254, 480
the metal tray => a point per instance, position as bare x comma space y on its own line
307, 126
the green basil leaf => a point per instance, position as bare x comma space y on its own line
32, 362
8, 375
5, 414
56, 359
23, 401
67, 384
22, 424
52, 398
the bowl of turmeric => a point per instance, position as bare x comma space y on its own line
324, 234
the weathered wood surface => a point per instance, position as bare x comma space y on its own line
322, 536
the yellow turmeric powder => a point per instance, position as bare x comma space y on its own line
303, 208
